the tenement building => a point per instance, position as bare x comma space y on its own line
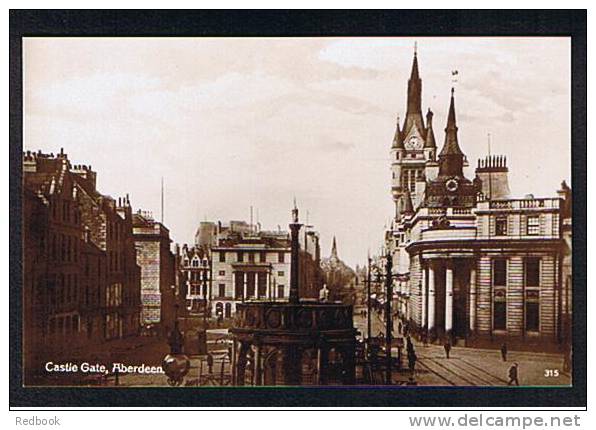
195, 271
473, 264
159, 290
80, 278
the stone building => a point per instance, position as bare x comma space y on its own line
472, 263
160, 292
249, 266
195, 271
80, 278
253, 264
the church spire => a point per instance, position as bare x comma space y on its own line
451, 158
334, 249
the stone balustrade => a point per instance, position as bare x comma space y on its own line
302, 317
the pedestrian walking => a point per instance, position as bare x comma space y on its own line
447, 347
504, 351
412, 361
210, 363
513, 375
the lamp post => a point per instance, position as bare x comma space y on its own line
388, 278
294, 296
176, 364
388, 316
368, 303
304, 263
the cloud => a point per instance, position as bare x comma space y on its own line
233, 123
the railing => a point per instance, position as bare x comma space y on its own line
524, 204
444, 211
449, 234
293, 317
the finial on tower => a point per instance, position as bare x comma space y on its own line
295, 213
415, 47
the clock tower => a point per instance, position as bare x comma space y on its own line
412, 149
451, 188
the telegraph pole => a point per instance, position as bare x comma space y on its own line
368, 304
388, 317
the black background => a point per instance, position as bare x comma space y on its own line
295, 24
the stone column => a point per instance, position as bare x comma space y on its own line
321, 363
423, 287
245, 286
233, 285
473, 298
448, 299
233, 363
431, 299
241, 363
258, 371
268, 282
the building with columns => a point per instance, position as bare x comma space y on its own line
249, 266
474, 265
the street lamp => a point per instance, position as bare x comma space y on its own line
176, 364
388, 278
368, 302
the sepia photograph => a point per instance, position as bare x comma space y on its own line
321, 211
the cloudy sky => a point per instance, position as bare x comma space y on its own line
231, 123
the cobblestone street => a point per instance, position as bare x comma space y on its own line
474, 367
465, 367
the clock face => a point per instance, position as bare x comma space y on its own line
451, 185
414, 143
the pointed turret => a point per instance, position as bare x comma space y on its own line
430, 134
451, 158
398, 141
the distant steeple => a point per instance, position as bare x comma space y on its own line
451, 158
334, 249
